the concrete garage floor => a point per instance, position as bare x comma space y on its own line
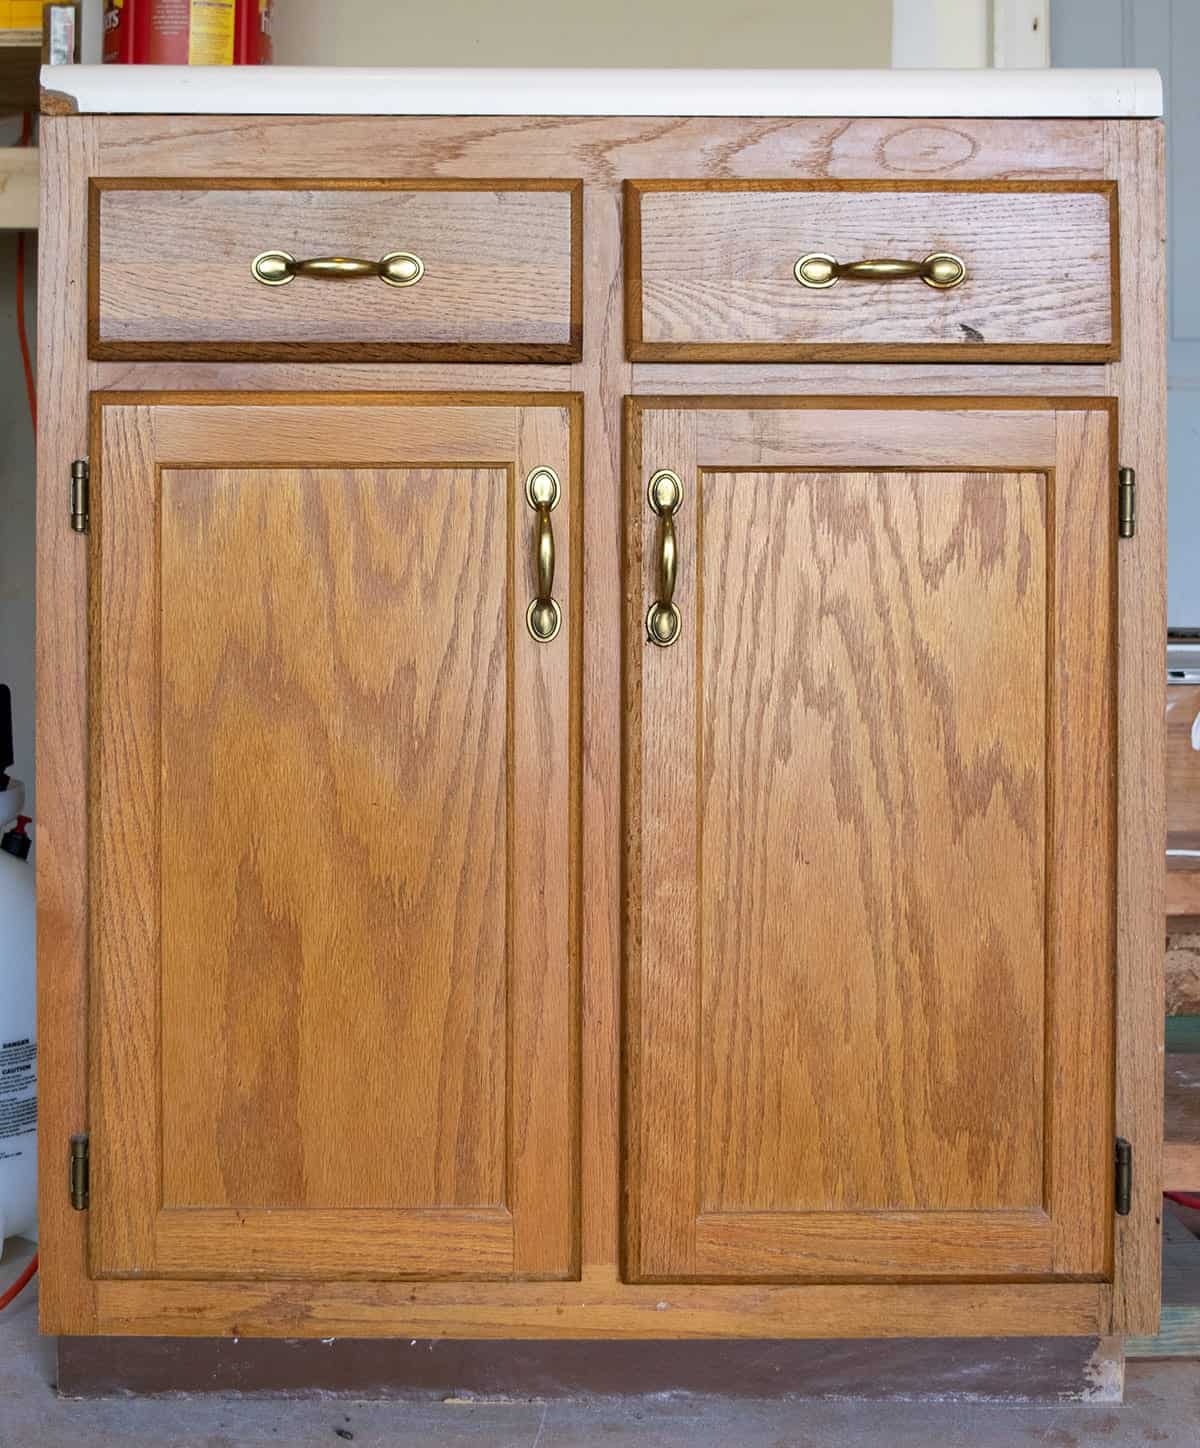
1162, 1406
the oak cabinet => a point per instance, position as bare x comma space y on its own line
873, 805
333, 967
603, 792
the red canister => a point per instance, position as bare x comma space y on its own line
187, 32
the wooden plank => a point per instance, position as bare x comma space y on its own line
19, 188
1181, 1123
1017, 1370
1179, 1334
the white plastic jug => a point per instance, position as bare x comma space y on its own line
18, 1037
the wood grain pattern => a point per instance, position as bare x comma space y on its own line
753, 379
333, 1017
603, 151
1136, 159
65, 1292
868, 1044
1183, 762
709, 271
858, 738
324, 1018
597, 1307
170, 270
859, 1246
1082, 862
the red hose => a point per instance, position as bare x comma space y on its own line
1184, 1199
26, 1277
20, 1284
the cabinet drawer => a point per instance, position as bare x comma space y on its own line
712, 271
497, 270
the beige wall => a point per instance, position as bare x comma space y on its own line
784, 33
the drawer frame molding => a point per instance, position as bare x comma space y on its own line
348, 350
641, 350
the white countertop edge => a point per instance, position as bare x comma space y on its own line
364, 91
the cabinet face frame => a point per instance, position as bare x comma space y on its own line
676, 1229
601, 151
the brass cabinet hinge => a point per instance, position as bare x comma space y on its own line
1124, 1165
1126, 502
80, 500
79, 1173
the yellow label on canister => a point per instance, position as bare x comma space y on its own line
210, 35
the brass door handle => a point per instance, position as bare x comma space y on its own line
543, 618
663, 620
397, 268
940, 269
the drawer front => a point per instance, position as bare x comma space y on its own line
500, 270
711, 270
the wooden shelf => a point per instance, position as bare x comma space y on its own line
20, 64
18, 188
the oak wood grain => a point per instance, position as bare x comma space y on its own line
709, 270
1136, 159
1082, 862
333, 987
870, 762
603, 150
852, 951
852, 1246
364, 1000
170, 270
65, 1291
598, 1307
754, 379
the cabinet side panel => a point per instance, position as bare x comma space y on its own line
66, 1297
1136, 152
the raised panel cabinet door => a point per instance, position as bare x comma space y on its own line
334, 837
871, 815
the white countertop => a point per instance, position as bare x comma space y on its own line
363, 91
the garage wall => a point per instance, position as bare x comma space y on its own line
783, 33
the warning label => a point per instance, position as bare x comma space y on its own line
18, 1088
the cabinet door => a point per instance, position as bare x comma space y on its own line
334, 834
871, 815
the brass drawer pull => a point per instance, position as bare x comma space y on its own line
940, 269
397, 268
663, 621
543, 618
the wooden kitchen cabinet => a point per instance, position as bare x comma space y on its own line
769, 950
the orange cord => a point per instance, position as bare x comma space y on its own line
26, 1277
